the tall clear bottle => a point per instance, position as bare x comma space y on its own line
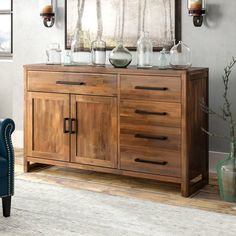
99, 52
81, 48
144, 51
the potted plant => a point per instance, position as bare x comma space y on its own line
226, 169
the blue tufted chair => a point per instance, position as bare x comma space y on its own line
7, 126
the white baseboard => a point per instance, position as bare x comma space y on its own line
214, 157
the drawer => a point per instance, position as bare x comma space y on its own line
150, 113
166, 138
151, 161
78, 83
159, 88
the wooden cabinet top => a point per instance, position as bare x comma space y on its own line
111, 70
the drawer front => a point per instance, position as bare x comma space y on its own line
150, 113
159, 88
151, 137
78, 83
151, 161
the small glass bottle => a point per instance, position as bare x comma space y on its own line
144, 51
99, 52
81, 48
163, 62
67, 58
120, 57
180, 56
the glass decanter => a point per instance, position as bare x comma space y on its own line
144, 51
81, 48
53, 54
180, 56
99, 52
120, 57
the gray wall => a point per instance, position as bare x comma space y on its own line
212, 45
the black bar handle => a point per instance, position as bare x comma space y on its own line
73, 131
151, 88
162, 163
70, 83
65, 131
141, 112
162, 138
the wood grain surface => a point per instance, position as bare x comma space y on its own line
44, 126
80, 83
95, 141
134, 122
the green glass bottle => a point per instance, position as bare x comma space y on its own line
120, 57
226, 174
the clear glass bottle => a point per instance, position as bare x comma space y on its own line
120, 57
99, 52
163, 60
81, 48
67, 58
144, 51
180, 56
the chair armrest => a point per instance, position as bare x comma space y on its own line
7, 126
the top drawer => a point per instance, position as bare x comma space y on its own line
158, 88
59, 82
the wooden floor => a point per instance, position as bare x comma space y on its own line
206, 199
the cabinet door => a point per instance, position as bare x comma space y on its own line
95, 140
46, 134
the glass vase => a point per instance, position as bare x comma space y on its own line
180, 56
120, 57
144, 51
99, 52
53, 54
81, 48
226, 174
163, 60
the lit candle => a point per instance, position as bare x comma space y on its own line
196, 5
47, 9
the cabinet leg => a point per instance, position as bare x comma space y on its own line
191, 187
205, 176
185, 189
6, 206
33, 166
26, 166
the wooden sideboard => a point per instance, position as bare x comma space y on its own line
134, 122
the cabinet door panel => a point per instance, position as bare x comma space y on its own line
45, 126
95, 142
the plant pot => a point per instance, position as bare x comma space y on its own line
226, 173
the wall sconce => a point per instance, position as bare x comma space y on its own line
196, 8
47, 12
